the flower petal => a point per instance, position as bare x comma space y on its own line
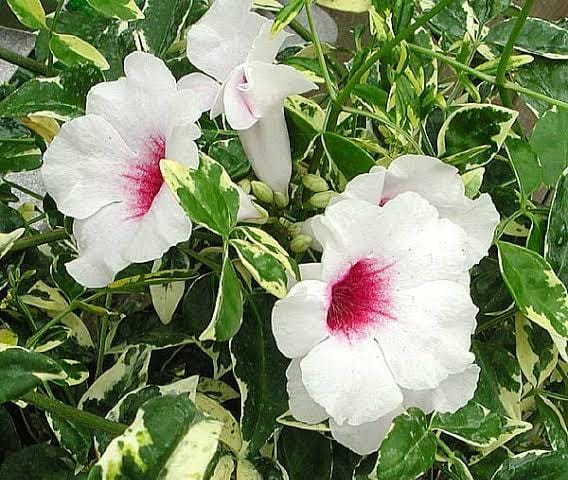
350, 380
181, 146
365, 438
302, 406
235, 105
223, 38
451, 395
265, 47
249, 212
367, 186
299, 320
430, 335
80, 170
205, 88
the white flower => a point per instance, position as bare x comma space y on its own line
234, 46
438, 183
103, 170
383, 323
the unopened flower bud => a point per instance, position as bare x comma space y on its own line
245, 185
315, 183
281, 199
301, 243
294, 229
262, 191
322, 199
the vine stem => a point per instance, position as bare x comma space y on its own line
41, 239
78, 417
487, 78
103, 331
23, 62
500, 79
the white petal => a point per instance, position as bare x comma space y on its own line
350, 380
205, 88
365, 438
181, 147
111, 239
249, 212
138, 106
302, 406
299, 320
451, 395
223, 38
429, 337
307, 228
265, 48
367, 187
82, 166
235, 106
308, 271
267, 146
268, 85
478, 218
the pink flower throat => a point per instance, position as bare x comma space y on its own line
360, 299
144, 179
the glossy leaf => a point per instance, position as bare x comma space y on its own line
556, 240
554, 422
350, 159
305, 454
231, 155
286, 15
526, 165
120, 9
534, 465
72, 51
29, 12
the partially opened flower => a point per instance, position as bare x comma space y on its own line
103, 169
384, 322
234, 47
438, 183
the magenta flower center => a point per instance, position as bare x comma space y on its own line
360, 299
144, 179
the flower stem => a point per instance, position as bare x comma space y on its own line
500, 79
22, 189
74, 415
41, 239
23, 62
103, 331
328, 82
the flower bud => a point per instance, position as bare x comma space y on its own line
322, 199
315, 183
301, 243
245, 185
262, 191
282, 200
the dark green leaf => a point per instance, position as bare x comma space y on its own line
305, 454
38, 462
230, 154
534, 465
525, 164
554, 423
556, 240
350, 159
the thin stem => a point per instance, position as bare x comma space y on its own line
485, 77
74, 415
300, 30
52, 26
25, 190
508, 51
103, 331
41, 239
225, 133
23, 62
556, 396
319, 49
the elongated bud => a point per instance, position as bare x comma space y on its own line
245, 185
322, 199
315, 183
263, 192
281, 199
301, 243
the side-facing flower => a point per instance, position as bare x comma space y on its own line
382, 323
103, 169
233, 45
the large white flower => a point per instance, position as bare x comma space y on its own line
234, 47
382, 323
103, 169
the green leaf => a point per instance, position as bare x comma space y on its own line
38, 462
350, 159
355, 6
526, 165
29, 12
554, 423
534, 465
479, 427
305, 454
22, 370
166, 297
454, 21
286, 15
538, 36
61, 97
19, 155
78, 441
8, 433
168, 437
409, 448
556, 240
231, 155
208, 195
472, 135
228, 314
128, 373
305, 119
260, 370
163, 24
536, 352
119, 9
71, 51
7, 240
537, 291
551, 148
